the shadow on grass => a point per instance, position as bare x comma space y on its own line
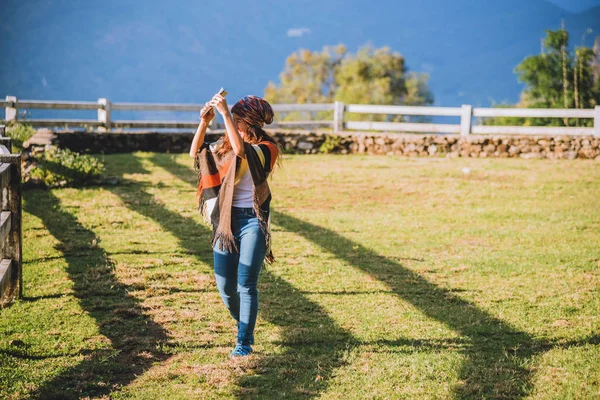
310, 346
134, 337
497, 355
302, 366
295, 371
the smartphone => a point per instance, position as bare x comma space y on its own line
223, 93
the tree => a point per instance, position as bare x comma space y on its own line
543, 73
417, 91
371, 76
595, 66
558, 78
585, 95
308, 77
379, 76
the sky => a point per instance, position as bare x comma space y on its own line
576, 5
65, 50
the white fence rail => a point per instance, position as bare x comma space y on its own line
466, 113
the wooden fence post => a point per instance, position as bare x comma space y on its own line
104, 109
11, 113
597, 121
338, 117
5, 141
11, 266
465, 120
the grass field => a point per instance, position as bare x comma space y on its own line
396, 278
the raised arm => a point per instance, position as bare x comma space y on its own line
237, 143
201, 131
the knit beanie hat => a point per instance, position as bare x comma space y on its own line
254, 110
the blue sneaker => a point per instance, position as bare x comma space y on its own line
240, 351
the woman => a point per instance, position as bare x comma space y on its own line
235, 198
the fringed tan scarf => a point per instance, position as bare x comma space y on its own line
216, 182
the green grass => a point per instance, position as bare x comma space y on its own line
396, 278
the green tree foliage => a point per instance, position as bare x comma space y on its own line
543, 73
557, 78
586, 94
371, 76
596, 63
379, 76
308, 77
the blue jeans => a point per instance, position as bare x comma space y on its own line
237, 273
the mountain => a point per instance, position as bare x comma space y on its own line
181, 51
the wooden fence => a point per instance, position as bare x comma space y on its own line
11, 267
466, 113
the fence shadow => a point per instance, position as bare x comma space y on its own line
296, 371
310, 344
496, 356
134, 337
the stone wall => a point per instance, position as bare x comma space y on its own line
411, 145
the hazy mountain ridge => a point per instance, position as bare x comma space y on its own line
177, 53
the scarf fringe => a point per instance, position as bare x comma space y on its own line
256, 206
226, 242
266, 230
269, 258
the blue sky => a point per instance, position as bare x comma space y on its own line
182, 51
576, 5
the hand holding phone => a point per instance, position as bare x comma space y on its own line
207, 110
